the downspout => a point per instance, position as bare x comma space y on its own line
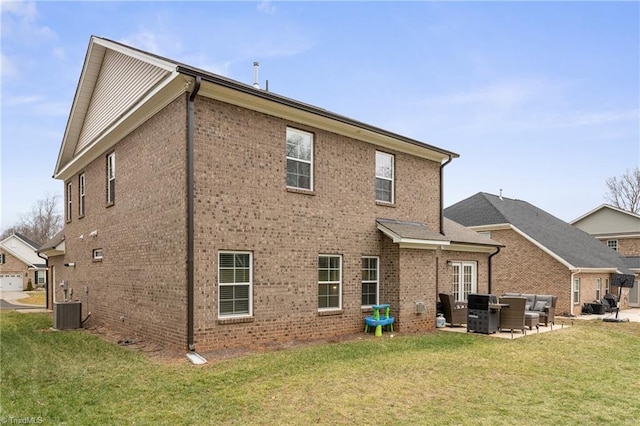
46, 287
190, 214
442, 194
489, 276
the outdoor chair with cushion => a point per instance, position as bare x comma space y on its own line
512, 316
453, 312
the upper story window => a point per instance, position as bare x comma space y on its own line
111, 178
612, 244
329, 282
69, 205
81, 192
369, 280
235, 281
299, 159
384, 177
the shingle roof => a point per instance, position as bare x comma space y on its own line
632, 262
567, 242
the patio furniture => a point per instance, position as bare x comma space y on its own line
531, 319
454, 312
543, 304
512, 316
610, 302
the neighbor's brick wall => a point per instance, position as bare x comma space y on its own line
242, 204
521, 267
628, 246
139, 288
13, 265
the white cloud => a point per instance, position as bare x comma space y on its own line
7, 67
23, 9
266, 7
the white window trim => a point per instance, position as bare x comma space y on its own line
310, 161
98, 254
393, 176
339, 282
598, 288
111, 176
377, 281
250, 283
474, 278
612, 244
69, 201
575, 291
82, 192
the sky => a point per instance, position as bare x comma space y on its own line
541, 99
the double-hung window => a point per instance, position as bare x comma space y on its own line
576, 290
612, 244
598, 288
370, 274
299, 159
111, 178
69, 205
384, 177
82, 192
235, 282
329, 282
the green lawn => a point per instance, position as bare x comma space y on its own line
585, 374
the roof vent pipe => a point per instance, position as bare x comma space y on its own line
501, 193
255, 75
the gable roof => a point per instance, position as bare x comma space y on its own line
121, 87
55, 246
25, 251
569, 245
418, 235
609, 221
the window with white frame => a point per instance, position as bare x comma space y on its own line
69, 204
329, 282
612, 244
384, 177
464, 279
81, 192
111, 178
2, 258
97, 254
576, 290
606, 286
235, 284
299, 159
598, 288
370, 283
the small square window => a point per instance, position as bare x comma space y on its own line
97, 254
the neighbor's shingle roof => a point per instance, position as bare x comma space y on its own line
569, 243
632, 262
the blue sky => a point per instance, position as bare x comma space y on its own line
540, 99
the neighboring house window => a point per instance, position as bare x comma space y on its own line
370, 274
598, 288
606, 286
384, 177
329, 282
299, 159
612, 244
111, 178
40, 278
69, 205
576, 290
485, 233
235, 282
81, 192
465, 281
2, 259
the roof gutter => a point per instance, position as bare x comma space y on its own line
190, 214
489, 275
442, 194
46, 280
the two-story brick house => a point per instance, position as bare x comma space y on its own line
619, 230
204, 212
20, 264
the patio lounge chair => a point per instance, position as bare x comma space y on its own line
512, 316
453, 312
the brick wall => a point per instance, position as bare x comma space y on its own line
628, 246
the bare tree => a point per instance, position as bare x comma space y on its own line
42, 223
624, 192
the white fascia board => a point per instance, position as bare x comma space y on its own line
162, 95
473, 248
595, 270
543, 248
492, 227
18, 256
412, 242
619, 236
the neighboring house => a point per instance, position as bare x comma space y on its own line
20, 264
204, 212
542, 254
53, 250
619, 230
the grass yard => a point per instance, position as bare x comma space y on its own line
585, 374
34, 298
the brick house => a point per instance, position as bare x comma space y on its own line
203, 212
20, 264
619, 230
542, 254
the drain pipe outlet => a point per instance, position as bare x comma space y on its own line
190, 214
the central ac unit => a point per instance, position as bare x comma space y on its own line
67, 315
